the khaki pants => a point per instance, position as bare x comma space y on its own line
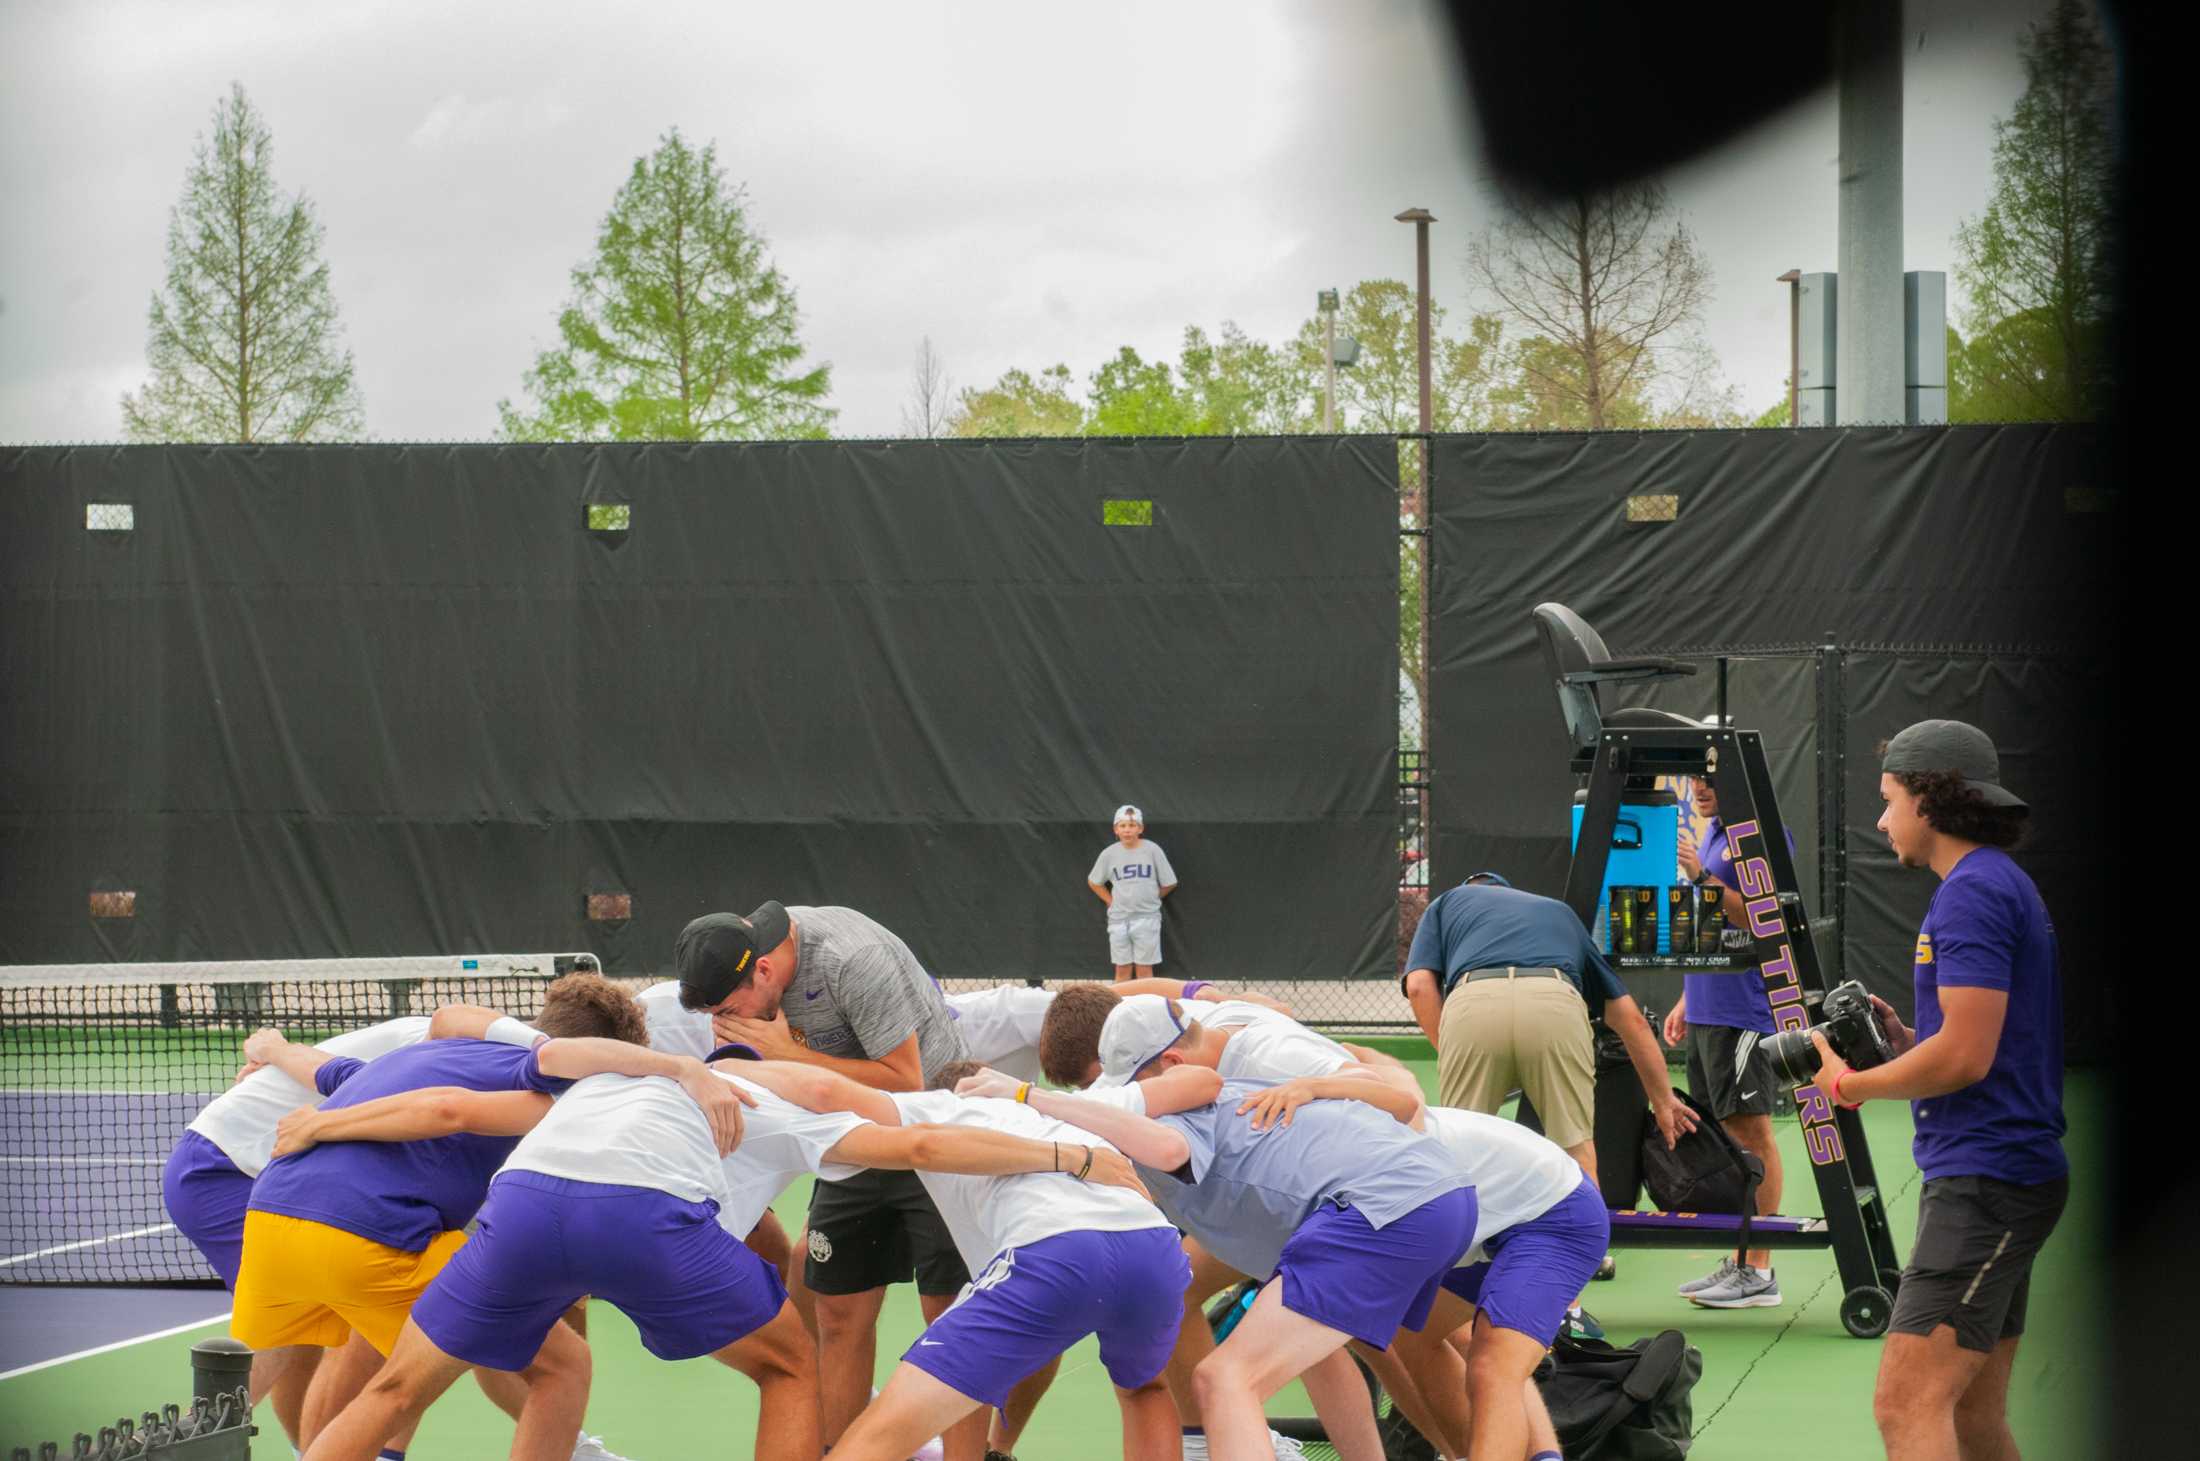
1498, 1034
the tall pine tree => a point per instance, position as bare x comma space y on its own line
679, 328
243, 339
2035, 265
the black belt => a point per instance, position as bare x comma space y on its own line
1511, 972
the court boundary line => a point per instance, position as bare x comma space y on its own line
100, 1349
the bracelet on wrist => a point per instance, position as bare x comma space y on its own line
1023, 1094
1838, 1098
1057, 1156
1192, 987
1085, 1170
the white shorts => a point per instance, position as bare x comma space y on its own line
1135, 939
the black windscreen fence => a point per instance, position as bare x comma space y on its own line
1864, 579
362, 700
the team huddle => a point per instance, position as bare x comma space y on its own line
432, 1195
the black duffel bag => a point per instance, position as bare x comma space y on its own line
1707, 1170
1627, 1404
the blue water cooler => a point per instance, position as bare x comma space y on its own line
1645, 854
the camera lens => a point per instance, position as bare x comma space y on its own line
1790, 1053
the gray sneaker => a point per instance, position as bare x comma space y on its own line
1745, 1288
1713, 1279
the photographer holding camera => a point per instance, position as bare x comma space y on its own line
1983, 1073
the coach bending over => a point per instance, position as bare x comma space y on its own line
1504, 984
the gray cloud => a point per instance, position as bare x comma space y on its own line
1024, 184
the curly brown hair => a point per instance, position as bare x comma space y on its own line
1955, 809
589, 1004
952, 1074
1069, 1040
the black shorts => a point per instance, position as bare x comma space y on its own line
879, 1228
1717, 1086
1972, 1267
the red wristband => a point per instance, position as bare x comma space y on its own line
1837, 1100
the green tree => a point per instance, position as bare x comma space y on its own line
243, 340
1019, 404
2035, 267
679, 327
1603, 287
1775, 414
1131, 396
1241, 385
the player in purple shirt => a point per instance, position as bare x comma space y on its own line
1711, 1016
1983, 1074
344, 1237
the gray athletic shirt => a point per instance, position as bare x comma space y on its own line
858, 992
1250, 1190
1135, 877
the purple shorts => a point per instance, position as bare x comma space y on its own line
1535, 1271
690, 1287
1371, 1282
1032, 1303
206, 1197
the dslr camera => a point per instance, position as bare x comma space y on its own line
1849, 1023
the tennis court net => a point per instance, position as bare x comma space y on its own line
102, 1067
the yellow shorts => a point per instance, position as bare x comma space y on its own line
304, 1282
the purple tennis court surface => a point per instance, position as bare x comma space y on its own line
80, 1187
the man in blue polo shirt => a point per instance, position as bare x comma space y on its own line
1983, 1074
1504, 984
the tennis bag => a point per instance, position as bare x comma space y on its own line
1621, 1404
1705, 1171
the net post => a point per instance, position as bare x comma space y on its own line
219, 1366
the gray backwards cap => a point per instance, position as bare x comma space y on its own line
1950, 745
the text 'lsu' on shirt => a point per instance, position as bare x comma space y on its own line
987, 1215
1517, 1175
646, 1131
241, 1120
1987, 928
402, 1194
1134, 878
1246, 1192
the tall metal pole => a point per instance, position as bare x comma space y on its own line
1329, 382
1421, 218
1793, 279
1868, 330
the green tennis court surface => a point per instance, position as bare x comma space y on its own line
1777, 1383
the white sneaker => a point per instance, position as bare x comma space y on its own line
931, 1450
1286, 1448
592, 1448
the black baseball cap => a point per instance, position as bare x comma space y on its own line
717, 953
1951, 745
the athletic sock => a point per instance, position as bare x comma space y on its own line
1546, 1456
390, 1453
1195, 1430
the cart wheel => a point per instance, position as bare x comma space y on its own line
1890, 1279
1865, 1311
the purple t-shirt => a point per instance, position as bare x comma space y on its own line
403, 1193
1986, 928
1735, 1000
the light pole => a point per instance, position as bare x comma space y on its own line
1421, 218
1793, 279
1326, 301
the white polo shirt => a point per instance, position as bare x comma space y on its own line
241, 1120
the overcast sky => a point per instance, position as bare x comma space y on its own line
1024, 183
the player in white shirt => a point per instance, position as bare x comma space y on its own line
619, 1190
207, 1182
1051, 1267
1520, 1178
